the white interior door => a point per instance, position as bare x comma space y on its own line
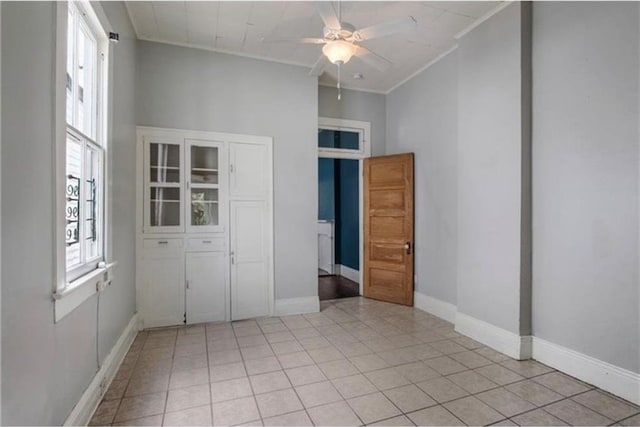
163, 278
207, 290
249, 260
249, 171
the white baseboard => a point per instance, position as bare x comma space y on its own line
348, 272
618, 381
284, 307
611, 378
86, 406
513, 345
431, 305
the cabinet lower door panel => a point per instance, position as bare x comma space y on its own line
163, 286
249, 268
207, 291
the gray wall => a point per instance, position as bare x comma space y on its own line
356, 105
585, 179
422, 118
117, 305
490, 147
45, 366
187, 88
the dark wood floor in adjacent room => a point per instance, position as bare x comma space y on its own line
332, 287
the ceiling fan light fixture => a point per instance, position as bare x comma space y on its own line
339, 51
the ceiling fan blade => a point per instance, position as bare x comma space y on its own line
328, 15
318, 67
373, 59
306, 40
385, 29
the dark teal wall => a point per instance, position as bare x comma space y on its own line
347, 212
338, 200
326, 189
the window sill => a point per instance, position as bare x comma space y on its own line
75, 293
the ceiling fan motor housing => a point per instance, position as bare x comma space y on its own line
343, 33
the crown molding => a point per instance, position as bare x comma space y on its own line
224, 51
356, 89
429, 64
483, 18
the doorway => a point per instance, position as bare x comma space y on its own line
342, 146
338, 228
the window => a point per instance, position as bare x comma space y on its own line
340, 138
85, 152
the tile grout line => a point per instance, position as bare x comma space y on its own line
377, 324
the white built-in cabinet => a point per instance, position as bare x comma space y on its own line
204, 246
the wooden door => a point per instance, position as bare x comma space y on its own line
388, 228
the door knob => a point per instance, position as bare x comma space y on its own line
407, 247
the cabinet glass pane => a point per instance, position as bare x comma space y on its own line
164, 162
204, 165
204, 206
164, 207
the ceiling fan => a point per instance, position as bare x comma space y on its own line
340, 40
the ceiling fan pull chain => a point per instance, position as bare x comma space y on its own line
339, 89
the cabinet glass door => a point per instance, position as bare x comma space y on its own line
204, 186
164, 167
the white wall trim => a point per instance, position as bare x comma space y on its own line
301, 305
429, 64
611, 378
513, 345
348, 272
483, 18
618, 381
86, 406
355, 89
431, 305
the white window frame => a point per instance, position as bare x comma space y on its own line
69, 294
363, 129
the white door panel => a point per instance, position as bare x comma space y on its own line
248, 171
249, 260
207, 290
163, 278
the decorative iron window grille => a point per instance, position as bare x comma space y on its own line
73, 210
92, 201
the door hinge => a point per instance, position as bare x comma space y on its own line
231, 168
185, 318
187, 284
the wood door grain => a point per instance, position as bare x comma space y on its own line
388, 228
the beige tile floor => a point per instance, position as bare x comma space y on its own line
358, 362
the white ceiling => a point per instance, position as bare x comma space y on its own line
239, 26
